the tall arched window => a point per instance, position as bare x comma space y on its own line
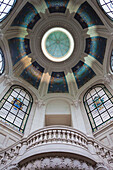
2, 62
15, 107
5, 8
107, 7
111, 61
98, 103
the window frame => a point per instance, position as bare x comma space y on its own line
111, 59
15, 1
99, 4
3, 62
86, 105
28, 107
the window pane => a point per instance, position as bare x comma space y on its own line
3, 113
105, 116
13, 109
101, 106
10, 117
95, 113
21, 114
98, 121
14, 94
111, 111
18, 122
107, 6
5, 7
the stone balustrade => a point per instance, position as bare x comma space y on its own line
55, 135
9, 154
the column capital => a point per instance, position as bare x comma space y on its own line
76, 103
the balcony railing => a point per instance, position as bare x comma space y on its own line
44, 138
56, 134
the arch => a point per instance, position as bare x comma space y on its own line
98, 102
5, 7
15, 107
107, 7
2, 62
58, 113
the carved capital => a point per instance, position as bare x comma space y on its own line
41, 103
76, 103
8, 80
107, 78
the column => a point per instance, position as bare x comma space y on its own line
77, 118
39, 116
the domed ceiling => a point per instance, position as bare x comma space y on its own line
33, 21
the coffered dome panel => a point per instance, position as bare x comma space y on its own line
41, 52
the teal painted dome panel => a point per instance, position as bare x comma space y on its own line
57, 44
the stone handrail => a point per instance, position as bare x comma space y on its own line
9, 154
51, 135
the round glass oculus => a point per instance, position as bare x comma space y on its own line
57, 44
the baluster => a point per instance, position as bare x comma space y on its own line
86, 143
11, 153
45, 137
97, 149
83, 141
54, 137
72, 137
30, 143
79, 139
17, 148
37, 138
63, 136
49, 136
4, 158
102, 152
40, 138
68, 137
59, 136
33, 141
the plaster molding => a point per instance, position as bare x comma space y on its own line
101, 166
57, 162
13, 167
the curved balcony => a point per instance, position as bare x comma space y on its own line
58, 139
53, 144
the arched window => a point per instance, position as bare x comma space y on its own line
2, 62
107, 6
111, 61
98, 103
15, 107
5, 8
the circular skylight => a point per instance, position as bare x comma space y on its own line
57, 44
